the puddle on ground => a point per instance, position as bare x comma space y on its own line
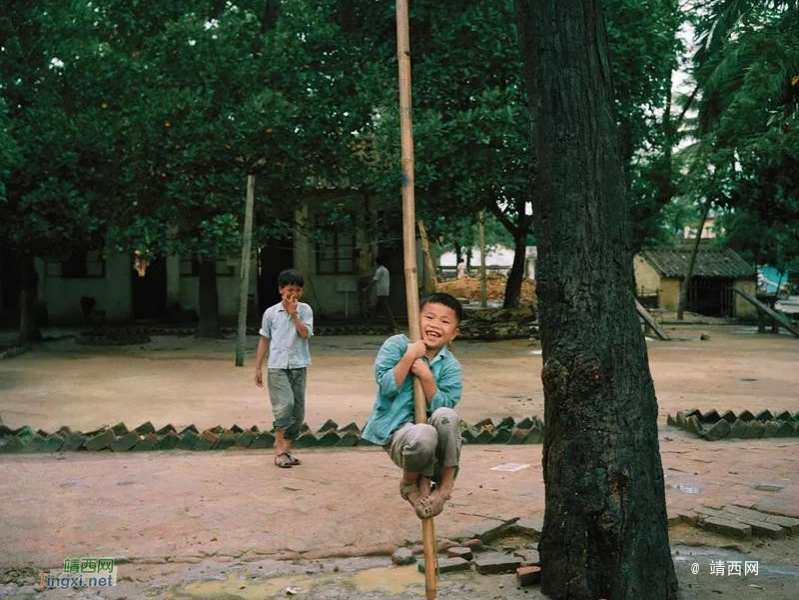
238, 586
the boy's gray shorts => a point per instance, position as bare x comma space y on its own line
287, 395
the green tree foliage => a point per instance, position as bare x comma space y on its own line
747, 73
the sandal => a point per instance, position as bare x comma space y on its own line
430, 505
293, 460
406, 489
283, 461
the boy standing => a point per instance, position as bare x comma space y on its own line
382, 283
285, 329
425, 451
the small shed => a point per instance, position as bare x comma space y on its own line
660, 271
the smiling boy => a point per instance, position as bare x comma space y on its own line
425, 451
284, 333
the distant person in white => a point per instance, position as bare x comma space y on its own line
382, 283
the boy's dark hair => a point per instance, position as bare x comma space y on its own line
446, 300
290, 277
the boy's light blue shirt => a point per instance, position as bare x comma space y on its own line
394, 405
287, 350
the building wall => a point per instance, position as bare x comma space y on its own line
669, 294
646, 277
62, 294
742, 308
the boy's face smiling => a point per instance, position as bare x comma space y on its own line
439, 325
290, 292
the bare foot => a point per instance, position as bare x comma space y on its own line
409, 490
431, 504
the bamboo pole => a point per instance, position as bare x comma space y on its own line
244, 273
428, 261
409, 245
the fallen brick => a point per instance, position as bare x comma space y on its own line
191, 427
525, 423
493, 563
490, 528
528, 575
403, 556
734, 529
484, 424
460, 552
529, 556
785, 429
236, 429
530, 525
448, 565
789, 523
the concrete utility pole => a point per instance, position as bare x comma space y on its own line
244, 273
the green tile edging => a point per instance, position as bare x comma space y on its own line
13, 351
145, 437
746, 425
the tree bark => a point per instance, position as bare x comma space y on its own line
605, 530
28, 295
208, 324
691, 263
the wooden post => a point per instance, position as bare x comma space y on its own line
483, 282
428, 262
244, 273
409, 244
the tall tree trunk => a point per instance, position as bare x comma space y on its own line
605, 531
28, 295
513, 286
686, 282
208, 325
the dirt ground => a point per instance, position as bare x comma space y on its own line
213, 525
181, 380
